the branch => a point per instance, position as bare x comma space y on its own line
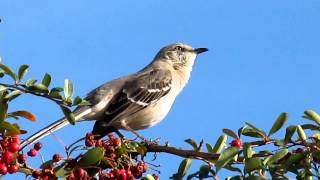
24, 89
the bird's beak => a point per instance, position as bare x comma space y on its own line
200, 50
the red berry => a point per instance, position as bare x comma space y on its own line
236, 143
89, 136
37, 146
32, 152
36, 174
121, 174
7, 157
116, 141
99, 143
89, 143
15, 139
14, 147
155, 177
111, 136
3, 169
79, 173
143, 165
12, 168
71, 177
22, 158
56, 157
4, 143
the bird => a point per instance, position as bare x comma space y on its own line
136, 101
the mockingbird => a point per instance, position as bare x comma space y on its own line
136, 101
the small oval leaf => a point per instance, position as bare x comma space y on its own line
192, 143
289, 133
280, 154
69, 115
91, 157
312, 115
68, 89
283, 117
22, 71
230, 133
46, 80
301, 133
184, 167
3, 110
225, 157
8, 71
12, 95
221, 142
252, 164
247, 150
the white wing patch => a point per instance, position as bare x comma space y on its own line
138, 102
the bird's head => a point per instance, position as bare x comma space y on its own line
179, 55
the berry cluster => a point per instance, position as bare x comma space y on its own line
117, 164
10, 159
118, 168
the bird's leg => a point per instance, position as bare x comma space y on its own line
134, 132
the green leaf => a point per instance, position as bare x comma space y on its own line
312, 115
26, 171
283, 117
30, 82
68, 89
3, 110
234, 169
209, 148
55, 94
69, 115
184, 167
77, 100
47, 164
301, 133
204, 171
230, 133
293, 159
221, 142
247, 150
46, 80
12, 95
256, 129
8, 71
192, 143
280, 154
311, 127
252, 133
254, 178
22, 71
252, 164
62, 171
148, 177
39, 88
240, 131
2, 88
91, 157
80, 102
289, 133
226, 156
10, 128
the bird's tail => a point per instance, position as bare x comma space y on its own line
52, 128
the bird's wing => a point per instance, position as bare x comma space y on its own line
143, 90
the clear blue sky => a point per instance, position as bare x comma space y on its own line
264, 59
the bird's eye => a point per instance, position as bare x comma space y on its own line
178, 48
